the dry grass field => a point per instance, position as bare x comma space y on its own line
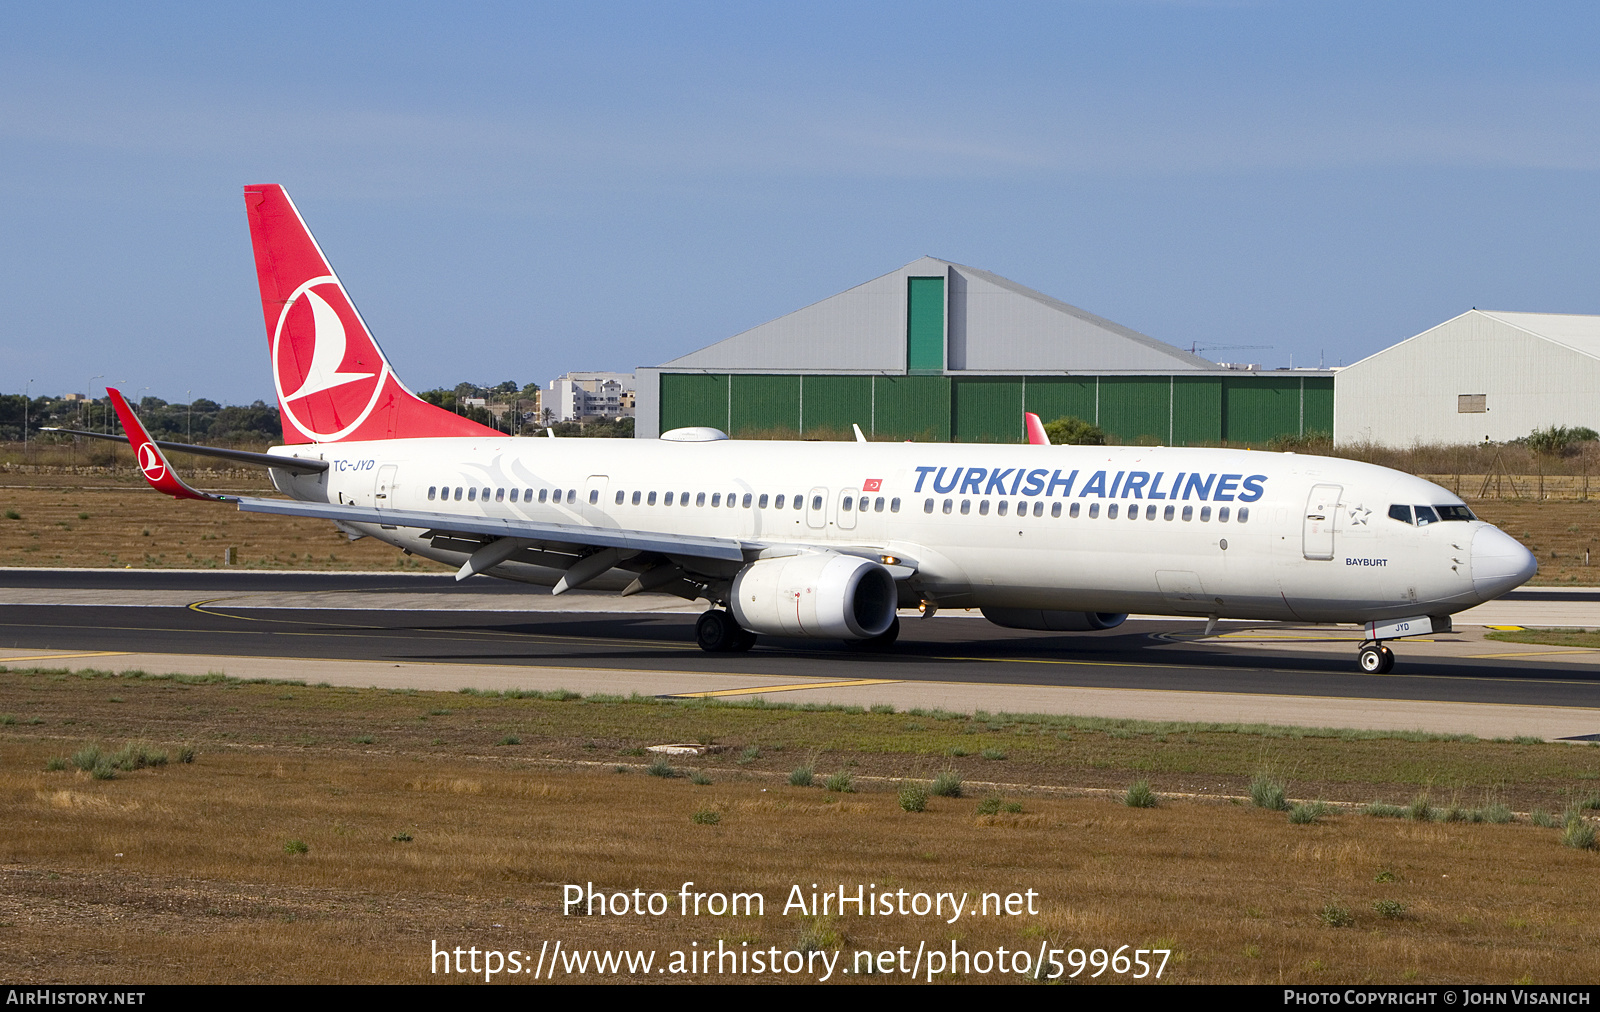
325, 835
117, 522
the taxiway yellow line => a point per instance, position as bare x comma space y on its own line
785, 688
57, 657
1534, 653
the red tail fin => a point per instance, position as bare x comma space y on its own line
332, 379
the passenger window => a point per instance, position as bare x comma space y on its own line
1244, 514
716, 498
527, 495
1055, 509
746, 504
1168, 513
1222, 515
472, 495
499, 495
1188, 514
700, 499
1401, 513
514, 494
1073, 512
636, 497
762, 502
650, 500
669, 499
894, 505
683, 498
816, 502
800, 499
1038, 509
1205, 514
849, 503
1111, 512
432, 489
1001, 507
485, 495
966, 506
1094, 510
1133, 512
544, 494
927, 505
594, 497
620, 494
572, 495
1426, 516
777, 503
947, 504
983, 508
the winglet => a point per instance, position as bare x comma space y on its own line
861, 437
151, 460
1035, 429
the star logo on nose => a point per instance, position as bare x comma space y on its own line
1359, 514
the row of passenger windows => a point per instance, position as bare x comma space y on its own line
1150, 512
733, 500
503, 495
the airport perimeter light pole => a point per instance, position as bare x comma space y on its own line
26, 390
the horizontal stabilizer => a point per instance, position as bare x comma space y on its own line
299, 465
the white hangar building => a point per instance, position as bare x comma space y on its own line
1481, 376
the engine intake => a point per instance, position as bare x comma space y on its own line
1053, 621
822, 595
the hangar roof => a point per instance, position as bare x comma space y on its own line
1580, 333
993, 324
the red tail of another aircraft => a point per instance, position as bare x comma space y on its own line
332, 380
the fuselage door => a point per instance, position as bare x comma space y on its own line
847, 508
383, 487
817, 508
1322, 512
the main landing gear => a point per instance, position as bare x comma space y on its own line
1376, 659
718, 633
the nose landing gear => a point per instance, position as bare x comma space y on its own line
1376, 659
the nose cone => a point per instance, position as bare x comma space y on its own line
1499, 563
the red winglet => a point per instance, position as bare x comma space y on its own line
151, 460
1035, 428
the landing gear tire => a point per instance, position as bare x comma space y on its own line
718, 633
882, 641
1376, 659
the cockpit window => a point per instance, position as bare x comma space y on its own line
1454, 513
1426, 516
1400, 513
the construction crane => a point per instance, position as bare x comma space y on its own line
1196, 348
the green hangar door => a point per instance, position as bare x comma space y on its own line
924, 325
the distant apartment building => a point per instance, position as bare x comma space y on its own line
581, 395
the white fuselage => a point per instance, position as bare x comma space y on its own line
1203, 532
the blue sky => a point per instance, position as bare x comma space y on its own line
511, 191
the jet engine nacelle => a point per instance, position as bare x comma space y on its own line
1053, 621
821, 594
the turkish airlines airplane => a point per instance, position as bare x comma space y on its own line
828, 540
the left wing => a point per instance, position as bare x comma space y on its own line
584, 550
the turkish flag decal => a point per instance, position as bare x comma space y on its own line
872, 485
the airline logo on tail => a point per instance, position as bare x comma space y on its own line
312, 354
332, 381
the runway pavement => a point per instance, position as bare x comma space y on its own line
425, 631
